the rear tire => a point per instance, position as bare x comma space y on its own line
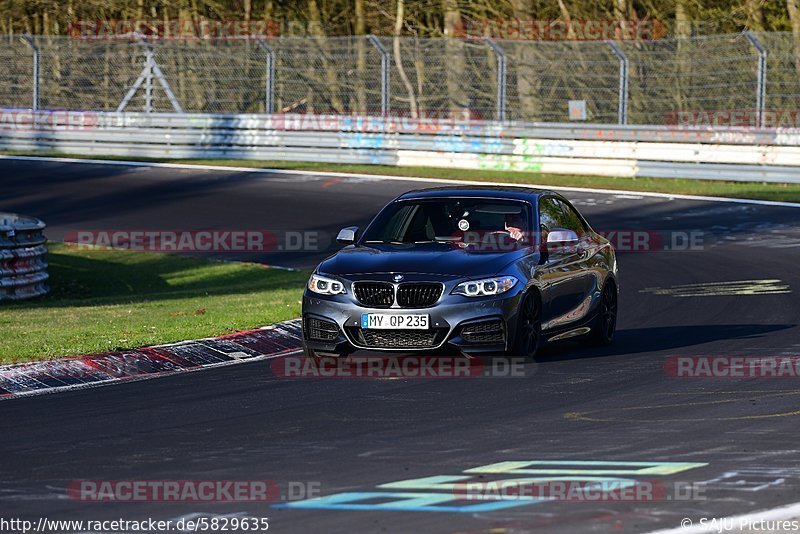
528, 336
606, 322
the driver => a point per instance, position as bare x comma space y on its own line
514, 225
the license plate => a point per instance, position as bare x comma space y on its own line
394, 321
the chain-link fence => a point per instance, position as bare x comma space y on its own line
17, 71
634, 82
544, 77
702, 74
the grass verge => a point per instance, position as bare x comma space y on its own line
677, 186
105, 300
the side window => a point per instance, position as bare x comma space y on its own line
570, 220
549, 214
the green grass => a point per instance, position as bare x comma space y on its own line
103, 300
678, 186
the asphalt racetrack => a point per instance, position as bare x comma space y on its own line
579, 411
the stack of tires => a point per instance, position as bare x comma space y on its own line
23, 271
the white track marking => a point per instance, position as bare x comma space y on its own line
714, 289
774, 514
400, 179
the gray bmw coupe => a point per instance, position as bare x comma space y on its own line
480, 270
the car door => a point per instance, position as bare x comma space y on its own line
565, 279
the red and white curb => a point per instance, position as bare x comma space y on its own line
63, 374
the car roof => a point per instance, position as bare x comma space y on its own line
478, 191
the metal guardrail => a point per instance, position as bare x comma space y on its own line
610, 150
22, 248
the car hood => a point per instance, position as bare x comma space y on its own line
441, 259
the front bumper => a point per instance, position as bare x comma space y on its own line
469, 325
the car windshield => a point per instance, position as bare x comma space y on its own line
449, 220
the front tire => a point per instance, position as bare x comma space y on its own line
606, 322
528, 337
317, 359
310, 354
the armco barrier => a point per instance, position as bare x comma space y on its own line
22, 249
768, 155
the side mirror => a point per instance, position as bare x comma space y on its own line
559, 238
347, 236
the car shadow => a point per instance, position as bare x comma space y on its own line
629, 341
656, 339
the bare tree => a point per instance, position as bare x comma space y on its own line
455, 62
317, 30
794, 18
360, 29
565, 14
621, 16
398, 59
683, 30
755, 15
683, 25
523, 63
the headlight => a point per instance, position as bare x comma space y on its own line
325, 286
486, 287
